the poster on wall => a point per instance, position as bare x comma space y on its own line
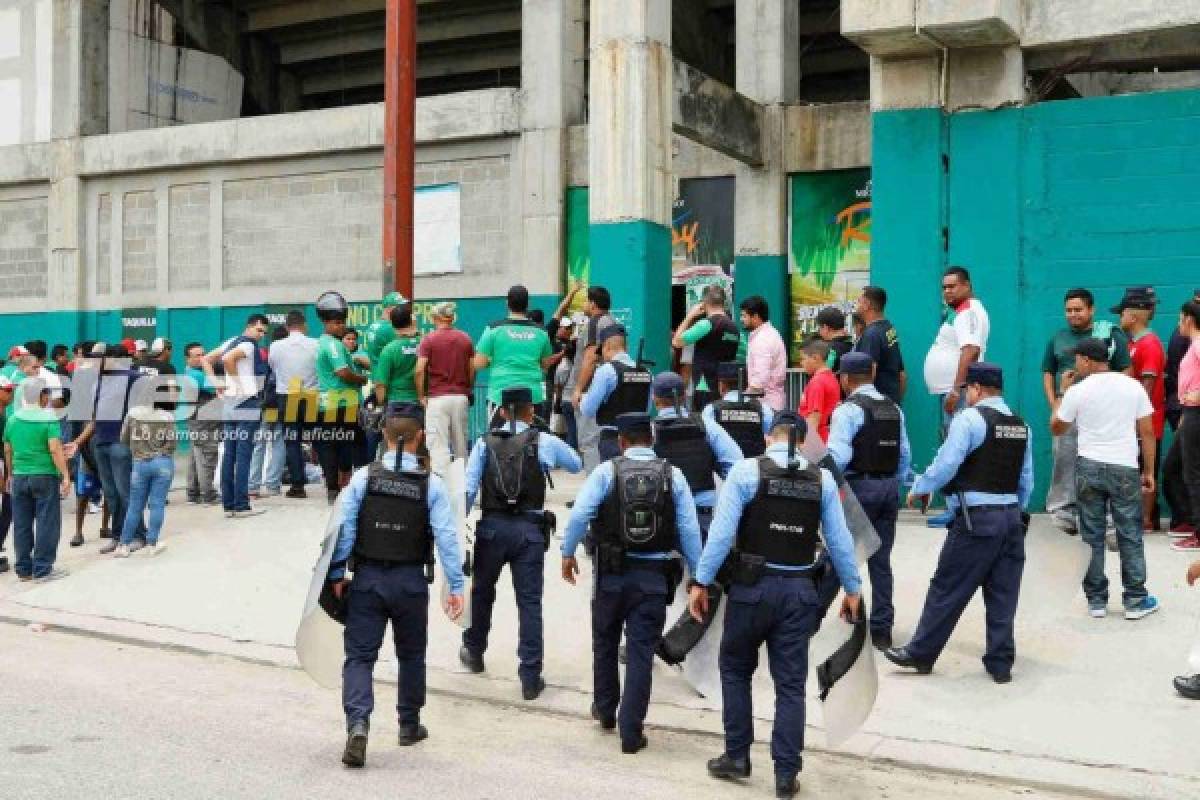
362, 315
702, 223
437, 230
139, 323
579, 256
830, 245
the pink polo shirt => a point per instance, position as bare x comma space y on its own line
1189, 373
766, 364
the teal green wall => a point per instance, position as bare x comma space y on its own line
1097, 193
766, 276
633, 261
212, 324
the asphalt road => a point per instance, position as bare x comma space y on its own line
84, 717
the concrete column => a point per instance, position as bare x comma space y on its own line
629, 155
552, 90
768, 71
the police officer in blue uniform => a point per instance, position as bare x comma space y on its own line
394, 513
741, 414
619, 386
985, 469
510, 463
697, 447
641, 511
768, 524
869, 444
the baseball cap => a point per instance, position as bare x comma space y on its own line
1137, 297
16, 351
140, 345
609, 332
1091, 348
667, 384
856, 364
394, 299
159, 345
634, 422
991, 375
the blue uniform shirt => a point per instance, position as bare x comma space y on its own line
725, 450
848, 420
739, 491
553, 452
441, 518
597, 488
604, 381
768, 413
966, 434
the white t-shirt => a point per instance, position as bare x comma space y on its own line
966, 325
242, 384
1105, 407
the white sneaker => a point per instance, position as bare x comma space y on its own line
122, 551
1097, 612
154, 549
249, 512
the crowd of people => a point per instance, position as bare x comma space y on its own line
704, 458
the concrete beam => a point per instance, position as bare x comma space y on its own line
445, 118
1058, 22
827, 137
369, 40
25, 163
710, 113
970, 23
884, 27
984, 78
768, 67
1167, 49
439, 66
301, 12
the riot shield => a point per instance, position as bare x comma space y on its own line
455, 477
319, 637
848, 684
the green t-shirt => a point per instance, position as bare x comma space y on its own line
1060, 357
29, 431
332, 355
696, 332
395, 368
516, 352
379, 334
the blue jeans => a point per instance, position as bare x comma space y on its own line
1099, 488
269, 447
151, 482
235, 463
115, 464
568, 415
37, 523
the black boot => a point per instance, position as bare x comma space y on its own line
881, 639
637, 745
472, 661
607, 723
531, 690
786, 786
1188, 686
355, 754
726, 766
902, 658
411, 734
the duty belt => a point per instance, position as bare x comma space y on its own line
663, 565
528, 516
384, 563
871, 476
803, 572
993, 507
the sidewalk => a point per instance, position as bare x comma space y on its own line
1090, 706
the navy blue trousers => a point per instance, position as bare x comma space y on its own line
379, 595
991, 558
607, 446
880, 500
635, 601
784, 613
517, 542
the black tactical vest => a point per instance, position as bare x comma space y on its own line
513, 480
995, 466
781, 524
632, 394
393, 521
743, 421
716, 347
639, 513
683, 442
877, 443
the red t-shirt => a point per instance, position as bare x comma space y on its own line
1150, 359
449, 352
823, 393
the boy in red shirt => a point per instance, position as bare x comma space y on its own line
822, 393
1149, 361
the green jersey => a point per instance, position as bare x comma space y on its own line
332, 356
1060, 355
515, 348
29, 432
396, 368
379, 334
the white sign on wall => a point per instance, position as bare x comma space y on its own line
437, 229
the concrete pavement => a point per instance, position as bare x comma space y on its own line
1091, 704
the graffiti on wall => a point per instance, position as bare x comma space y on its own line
830, 244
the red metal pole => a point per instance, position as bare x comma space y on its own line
399, 147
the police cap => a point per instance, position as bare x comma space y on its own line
667, 384
516, 396
637, 422
609, 332
856, 364
406, 411
790, 418
986, 374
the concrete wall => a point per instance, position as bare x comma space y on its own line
23, 251
26, 70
